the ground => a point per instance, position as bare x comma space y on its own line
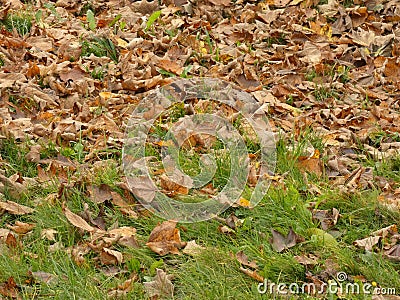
324, 74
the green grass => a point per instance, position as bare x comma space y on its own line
100, 46
215, 273
21, 22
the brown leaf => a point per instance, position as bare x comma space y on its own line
161, 286
165, 238
244, 260
21, 227
34, 154
280, 243
253, 274
77, 221
327, 218
100, 194
393, 253
307, 260
11, 241
44, 277
173, 188
367, 243
170, 66
15, 208
122, 289
110, 257
142, 187
123, 206
10, 289
311, 164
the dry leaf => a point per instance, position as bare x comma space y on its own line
280, 242
15, 208
327, 218
21, 227
10, 289
165, 238
193, 249
243, 259
77, 221
110, 257
100, 194
253, 274
311, 164
44, 277
161, 286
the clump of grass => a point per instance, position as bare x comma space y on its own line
322, 93
14, 154
21, 22
100, 46
98, 73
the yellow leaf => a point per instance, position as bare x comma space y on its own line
122, 43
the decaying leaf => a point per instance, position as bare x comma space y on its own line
327, 218
101, 193
376, 237
10, 289
312, 164
21, 227
77, 221
280, 242
165, 238
193, 249
15, 208
44, 277
110, 257
243, 259
253, 274
161, 286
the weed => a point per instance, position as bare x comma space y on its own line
98, 73
20, 22
322, 93
100, 46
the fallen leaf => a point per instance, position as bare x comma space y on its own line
165, 238
367, 243
307, 260
44, 277
244, 260
193, 249
311, 164
21, 227
280, 242
11, 241
173, 188
15, 208
10, 289
49, 234
253, 274
161, 286
327, 218
77, 221
110, 257
100, 194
